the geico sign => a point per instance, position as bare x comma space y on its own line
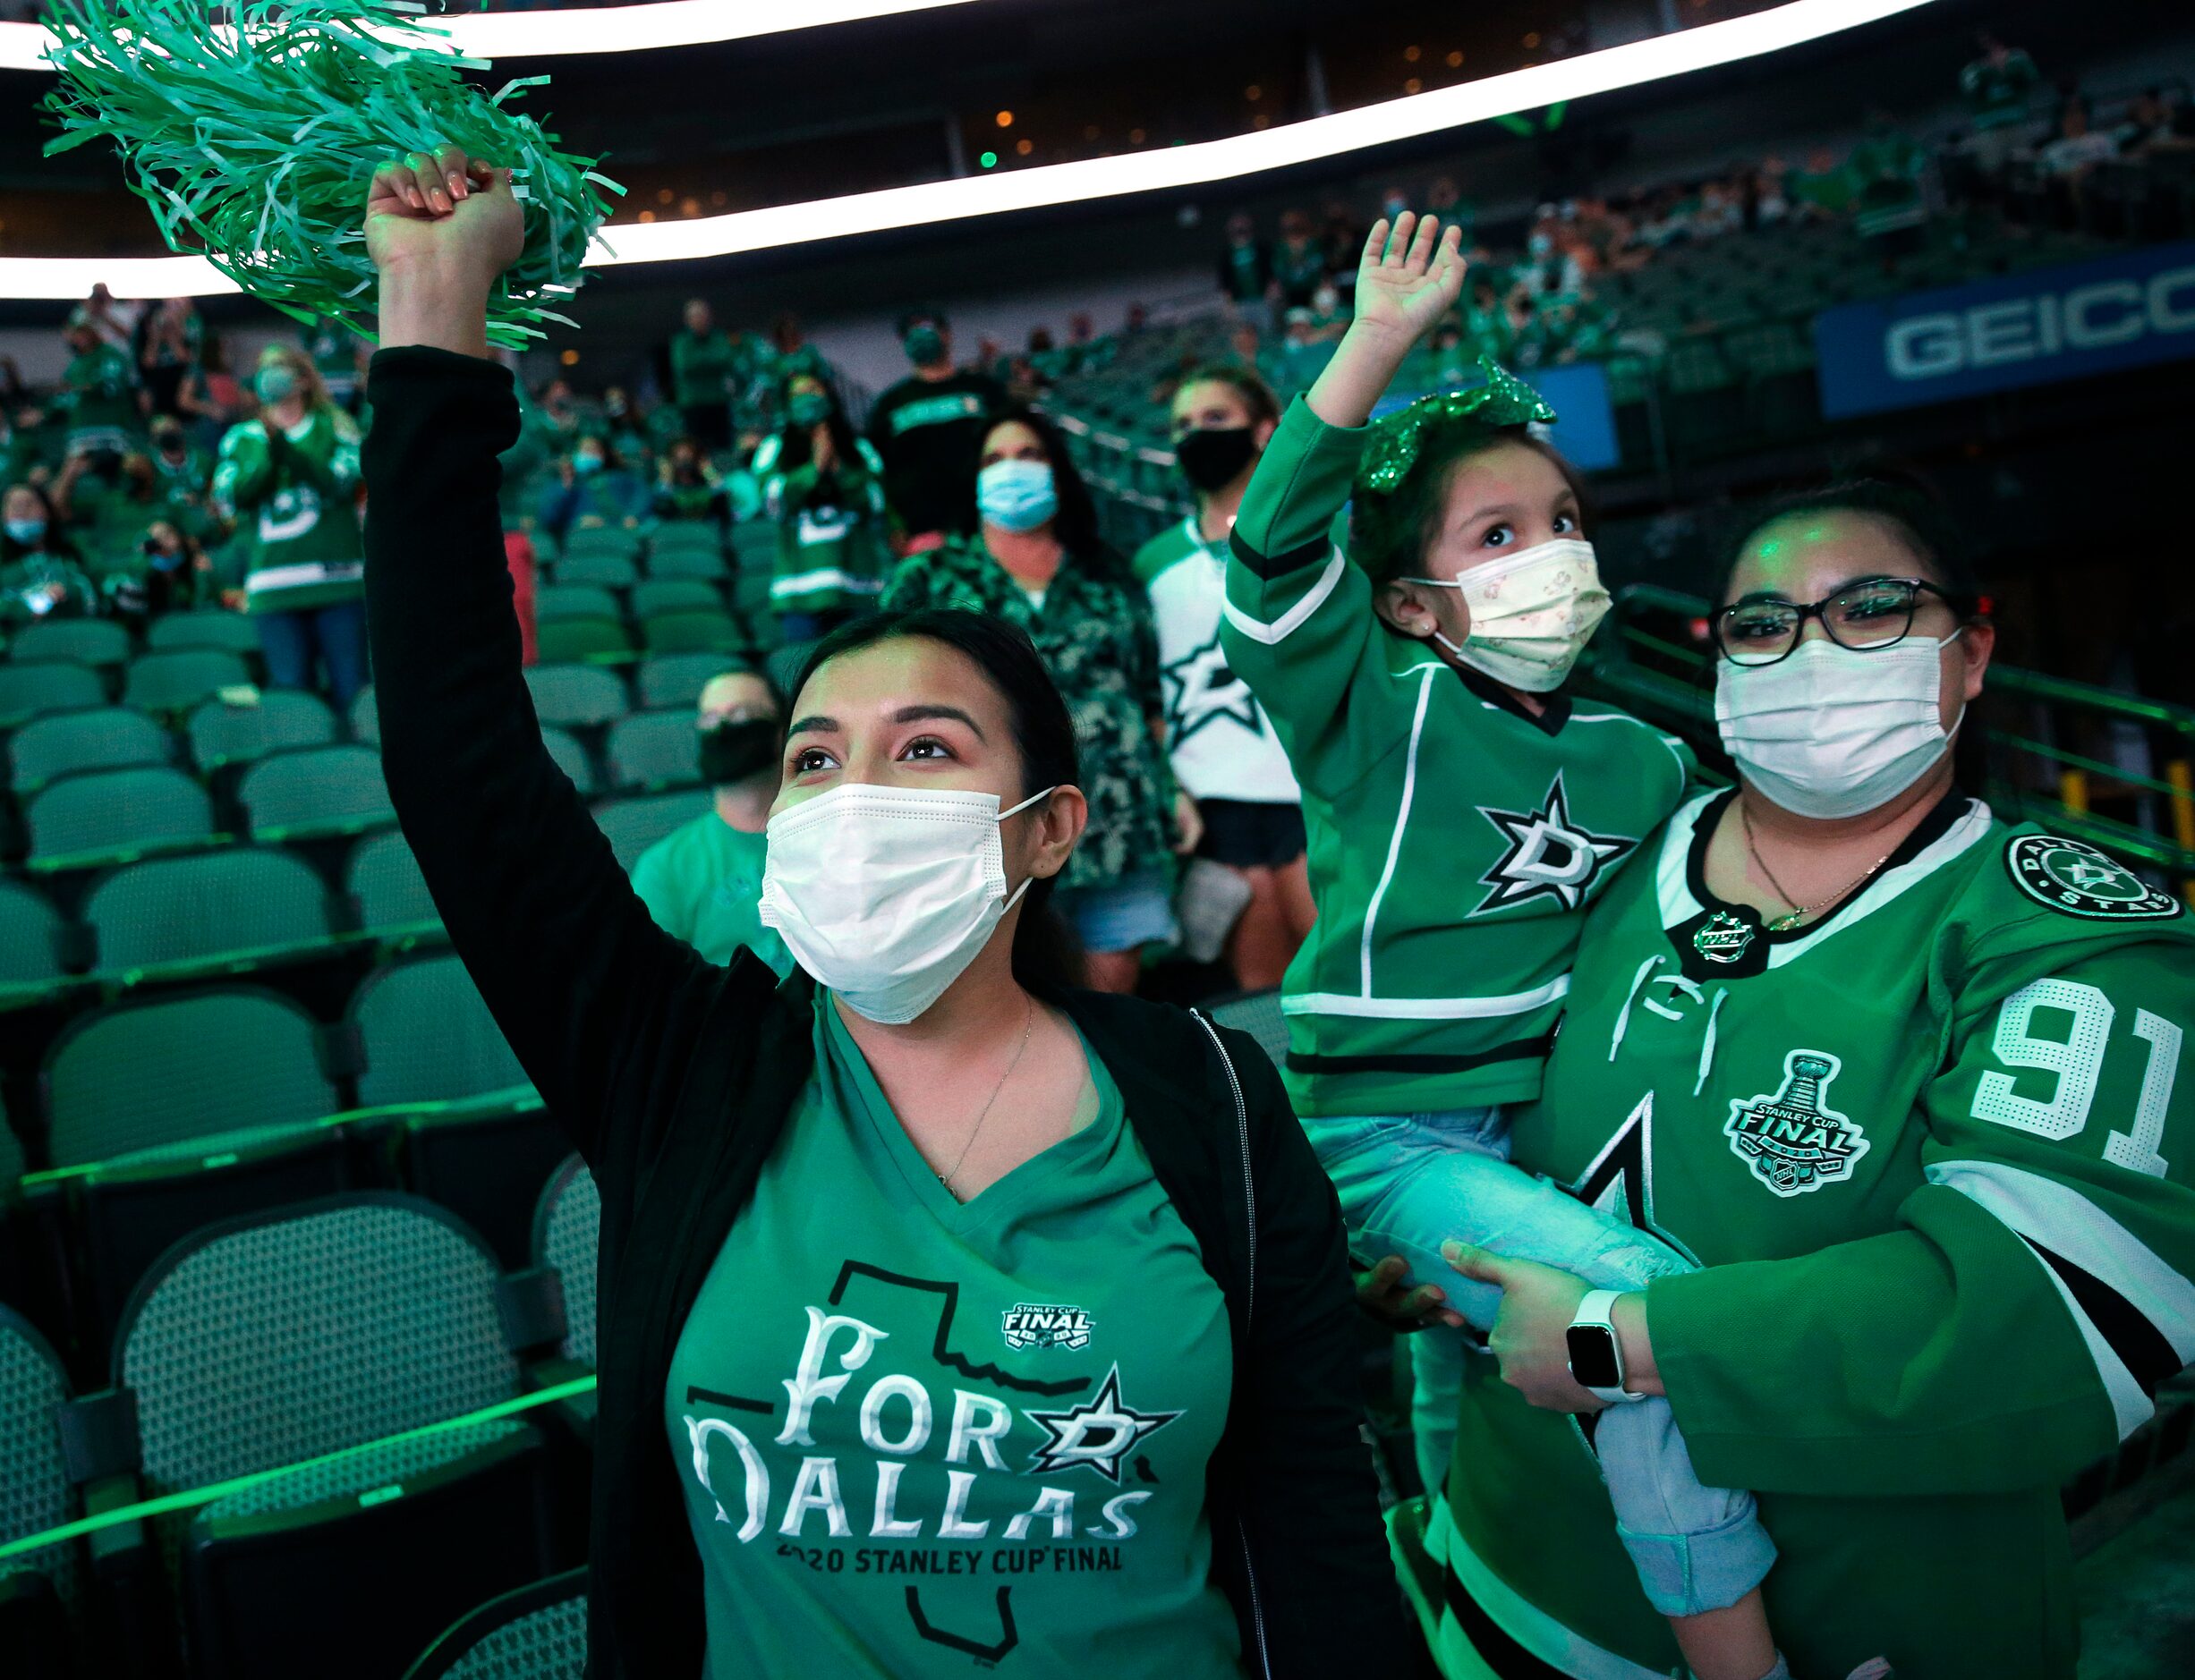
2093, 317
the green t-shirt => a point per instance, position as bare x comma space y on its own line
702, 367
1997, 94
99, 387
917, 1436
702, 882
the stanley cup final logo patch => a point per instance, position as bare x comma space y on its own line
1794, 1140
1025, 1325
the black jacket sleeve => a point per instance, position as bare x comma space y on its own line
1319, 1573
583, 984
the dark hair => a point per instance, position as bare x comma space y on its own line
1076, 524
1389, 534
1255, 394
1047, 957
1928, 533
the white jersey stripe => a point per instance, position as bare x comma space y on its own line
1294, 619
1402, 820
824, 578
1425, 1008
2069, 1224
1517, 1616
2130, 1406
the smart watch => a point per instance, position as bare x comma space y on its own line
1596, 1355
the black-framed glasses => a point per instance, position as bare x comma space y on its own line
1866, 617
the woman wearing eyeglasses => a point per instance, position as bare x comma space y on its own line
1911, 1084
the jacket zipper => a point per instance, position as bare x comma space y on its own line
1249, 1312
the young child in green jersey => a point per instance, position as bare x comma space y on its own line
1462, 813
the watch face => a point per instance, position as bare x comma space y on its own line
1592, 1355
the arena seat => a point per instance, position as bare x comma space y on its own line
210, 627
555, 601
576, 696
222, 735
99, 641
677, 679
571, 758
177, 680
655, 749
354, 1322
684, 563
315, 793
537, 1632
674, 594
755, 544
619, 539
219, 911
30, 688
703, 630
426, 1036
1257, 1014
364, 722
116, 816
99, 738
386, 886
604, 567
571, 640
32, 945
40, 1591
567, 1228
633, 824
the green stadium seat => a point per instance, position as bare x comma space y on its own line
44, 1588
571, 758
116, 816
708, 629
653, 750
230, 632
633, 824
604, 568
363, 722
359, 1322
152, 1073
30, 688
655, 595
385, 883
178, 679
576, 696
567, 1226
677, 679
555, 601
618, 540
223, 911
221, 733
570, 640
314, 792
754, 543
86, 640
427, 1037
686, 533
538, 1631
63, 743
32, 945
698, 564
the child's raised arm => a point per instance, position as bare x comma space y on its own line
1404, 284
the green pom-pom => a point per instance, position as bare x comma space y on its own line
253, 145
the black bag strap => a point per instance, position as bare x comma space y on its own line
99, 1436
531, 1305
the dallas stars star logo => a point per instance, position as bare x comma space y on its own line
1548, 855
1097, 1433
1200, 689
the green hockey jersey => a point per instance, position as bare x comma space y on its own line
295, 493
1935, 1153
99, 389
1456, 840
831, 550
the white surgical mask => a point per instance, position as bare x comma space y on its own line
1532, 613
1832, 731
1017, 495
885, 894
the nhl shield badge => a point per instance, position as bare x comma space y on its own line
1794, 1140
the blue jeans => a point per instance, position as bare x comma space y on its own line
337, 633
1410, 1183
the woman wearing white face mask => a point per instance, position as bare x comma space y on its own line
1910, 1084
1037, 562
949, 1310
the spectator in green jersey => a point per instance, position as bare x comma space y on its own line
1997, 87
688, 486
592, 486
99, 392
823, 484
704, 361
41, 572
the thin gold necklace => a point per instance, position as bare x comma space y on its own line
1798, 913
1028, 1020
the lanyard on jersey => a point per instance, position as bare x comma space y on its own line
1680, 982
168, 1502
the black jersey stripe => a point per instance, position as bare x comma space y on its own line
1522, 1049
1494, 1647
1270, 566
2149, 1358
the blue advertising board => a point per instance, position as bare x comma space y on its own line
1585, 427
2038, 327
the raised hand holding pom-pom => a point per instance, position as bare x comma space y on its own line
441, 229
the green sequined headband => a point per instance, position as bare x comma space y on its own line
1397, 438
